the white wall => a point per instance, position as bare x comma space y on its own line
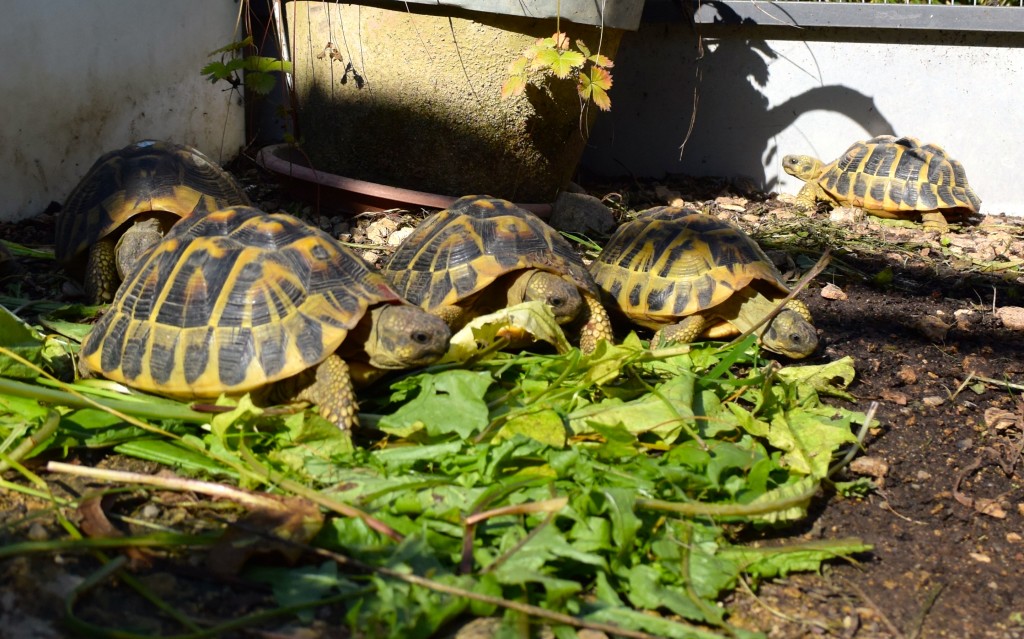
760, 99
82, 78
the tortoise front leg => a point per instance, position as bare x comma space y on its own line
683, 332
807, 198
332, 391
597, 325
101, 280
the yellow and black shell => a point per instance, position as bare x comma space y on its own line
670, 262
229, 302
461, 250
898, 178
145, 177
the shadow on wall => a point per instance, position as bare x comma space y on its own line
667, 75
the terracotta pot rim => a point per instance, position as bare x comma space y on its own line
360, 194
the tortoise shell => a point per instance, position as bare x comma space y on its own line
892, 177
148, 176
461, 250
231, 301
670, 262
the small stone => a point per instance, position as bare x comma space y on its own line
37, 532
371, 257
1000, 418
870, 466
923, 475
896, 397
150, 511
832, 292
1012, 317
1014, 538
907, 375
846, 215
932, 327
399, 236
379, 230
933, 400
734, 204
583, 214
980, 557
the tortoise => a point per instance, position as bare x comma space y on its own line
482, 254
241, 300
687, 275
127, 202
890, 178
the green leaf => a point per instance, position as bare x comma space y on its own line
594, 85
450, 402
663, 412
544, 425
176, 455
263, 64
513, 86
830, 378
808, 440
792, 501
260, 83
216, 71
17, 338
766, 563
561, 63
520, 323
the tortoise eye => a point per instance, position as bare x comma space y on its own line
556, 301
420, 337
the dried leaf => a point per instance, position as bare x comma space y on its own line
295, 521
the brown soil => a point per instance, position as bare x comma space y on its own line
947, 518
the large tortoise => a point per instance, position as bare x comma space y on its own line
239, 299
888, 177
126, 203
687, 275
482, 254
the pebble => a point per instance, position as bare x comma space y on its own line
832, 292
399, 236
1012, 317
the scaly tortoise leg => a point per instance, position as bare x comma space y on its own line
807, 198
597, 325
682, 332
332, 391
101, 280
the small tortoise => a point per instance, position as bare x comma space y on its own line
483, 254
888, 177
127, 202
687, 275
235, 300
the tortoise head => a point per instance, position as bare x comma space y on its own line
561, 295
136, 242
404, 336
804, 167
790, 334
